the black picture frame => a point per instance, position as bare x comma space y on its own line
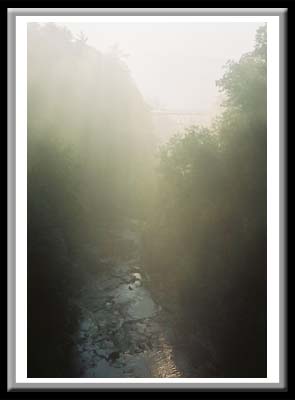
12, 386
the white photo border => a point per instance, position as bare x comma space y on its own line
274, 375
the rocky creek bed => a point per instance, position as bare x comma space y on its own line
123, 332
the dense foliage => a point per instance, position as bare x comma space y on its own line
208, 236
91, 163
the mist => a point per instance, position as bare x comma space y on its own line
175, 66
147, 200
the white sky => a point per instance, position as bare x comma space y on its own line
175, 65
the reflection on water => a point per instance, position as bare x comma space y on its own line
163, 364
122, 332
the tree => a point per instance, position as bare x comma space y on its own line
210, 227
89, 163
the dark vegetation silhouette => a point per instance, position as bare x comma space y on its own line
87, 127
201, 199
208, 236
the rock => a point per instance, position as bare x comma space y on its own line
140, 327
119, 323
85, 325
137, 276
113, 356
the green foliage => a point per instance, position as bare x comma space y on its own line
209, 231
89, 165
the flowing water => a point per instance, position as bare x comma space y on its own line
122, 331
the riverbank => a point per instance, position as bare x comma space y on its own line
127, 325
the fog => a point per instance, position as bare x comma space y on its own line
135, 243
175, 65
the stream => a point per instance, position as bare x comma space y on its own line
122, 331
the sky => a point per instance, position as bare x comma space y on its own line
175, 65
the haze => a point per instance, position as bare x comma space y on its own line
147, 229
175, 65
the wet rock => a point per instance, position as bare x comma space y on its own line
137, 276
134, 285
85, 325
121, 325
113, 356
143, 307
140, 327
102, 369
